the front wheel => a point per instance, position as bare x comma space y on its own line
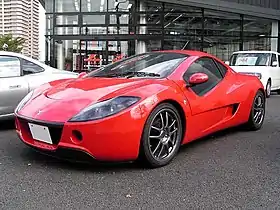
162, 136
268, 89
257, 113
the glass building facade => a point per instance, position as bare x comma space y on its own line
86, 34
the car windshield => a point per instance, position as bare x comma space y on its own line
250, 59
154, 64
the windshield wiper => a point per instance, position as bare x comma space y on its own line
130, 74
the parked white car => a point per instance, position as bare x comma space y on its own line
19, 75
263, 64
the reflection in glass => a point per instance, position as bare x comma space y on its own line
150, 6
49, 24
156, 64
257, 32
67, 20
120, 6
67, 55
182, 28
117, 50
93, 30
49, 6
93, 54
221, 33
67, 6
94, 5
157, 26
120, 19
221, 47
93, 19
67, 30
118, 30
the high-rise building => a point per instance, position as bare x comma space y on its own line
21, 19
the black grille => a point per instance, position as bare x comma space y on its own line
54, 128
72, 155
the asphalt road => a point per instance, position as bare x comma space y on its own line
233, 169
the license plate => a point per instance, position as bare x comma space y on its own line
40, 133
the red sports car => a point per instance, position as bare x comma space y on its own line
143, 107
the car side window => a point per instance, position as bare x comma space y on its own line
9, 67
273, 59
30, 67
278, 60
207, 66
222, 68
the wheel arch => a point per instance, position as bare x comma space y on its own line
181, 112
182, 116
263, 91
269, 79
180, 109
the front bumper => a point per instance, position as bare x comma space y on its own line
104, 140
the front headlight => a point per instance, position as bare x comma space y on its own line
105, 108
259, 75
24, 101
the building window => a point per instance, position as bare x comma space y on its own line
257, 33
111, 30
221, 33
67, 5
94, 5
182, 27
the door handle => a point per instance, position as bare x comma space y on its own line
14, 86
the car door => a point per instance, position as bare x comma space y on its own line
13, 86
208, 101
273, 69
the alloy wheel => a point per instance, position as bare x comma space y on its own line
259, 109
163, 134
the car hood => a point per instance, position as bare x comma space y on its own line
61, 102
249, 69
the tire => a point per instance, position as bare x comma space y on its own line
268, 89
256, 124
157, 145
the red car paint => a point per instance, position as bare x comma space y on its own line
117, 138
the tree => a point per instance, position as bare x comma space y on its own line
10, 43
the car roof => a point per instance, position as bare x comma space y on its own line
19, 55
188, 52
13, 54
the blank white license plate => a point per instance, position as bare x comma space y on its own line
40, 133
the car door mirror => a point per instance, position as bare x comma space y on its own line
82, 74
197, 78
274, 64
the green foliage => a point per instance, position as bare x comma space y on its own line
13, 44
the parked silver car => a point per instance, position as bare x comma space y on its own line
19, 75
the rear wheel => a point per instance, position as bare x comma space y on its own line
268, 89
257, 113
161, 137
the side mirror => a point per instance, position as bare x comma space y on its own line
198, 78
82, 74
274, 64
227, 62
